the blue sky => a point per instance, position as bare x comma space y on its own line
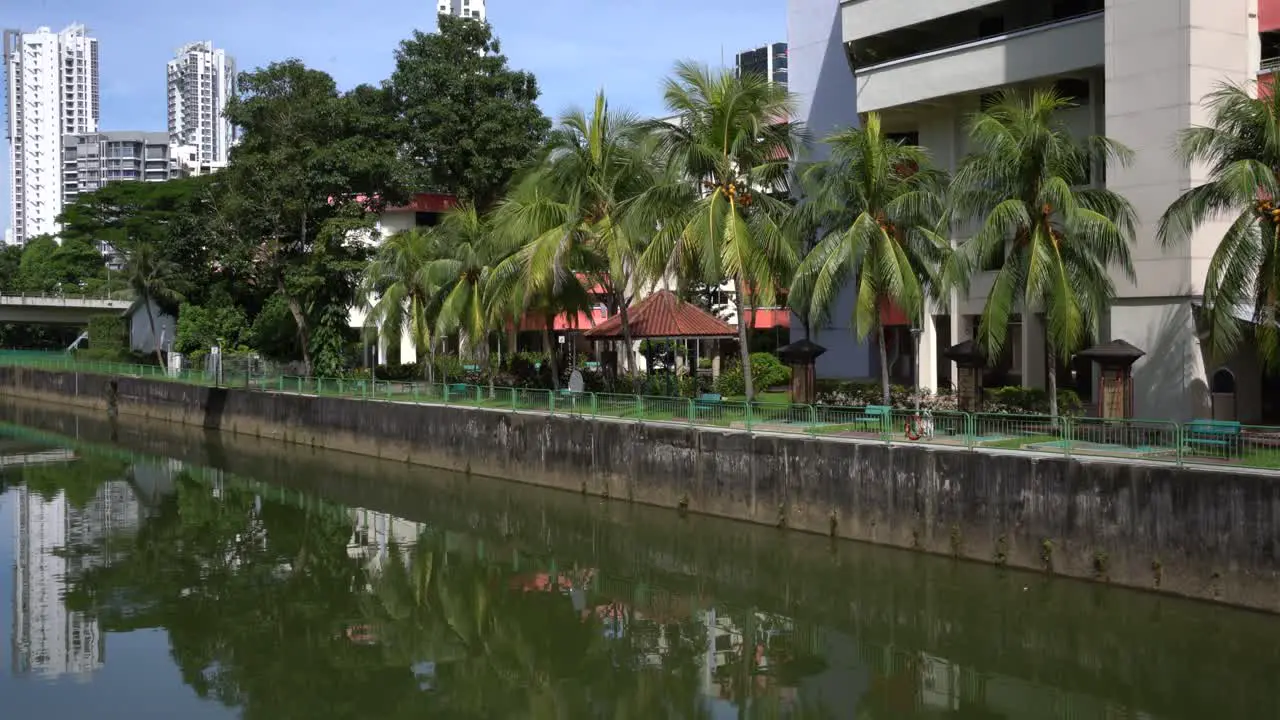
573, 46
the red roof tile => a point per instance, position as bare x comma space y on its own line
663, 315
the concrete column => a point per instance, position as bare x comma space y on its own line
960, 330
408, 353
1033, 358
928, 359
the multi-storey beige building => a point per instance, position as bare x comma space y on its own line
1138, 71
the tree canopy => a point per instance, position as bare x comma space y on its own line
467, 120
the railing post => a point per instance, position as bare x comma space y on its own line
1070, 436
750, 419
594, 407
639, 408
1178, 438
446, 392
692, 411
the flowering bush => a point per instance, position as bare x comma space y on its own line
1012, 400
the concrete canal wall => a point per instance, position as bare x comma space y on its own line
1204, 533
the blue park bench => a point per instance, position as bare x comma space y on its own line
1213, 436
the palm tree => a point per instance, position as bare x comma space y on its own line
569, 212
400, 292
883, 210
512, 292
727, 150
155, 280
468, 252
1028, 186
1241, 149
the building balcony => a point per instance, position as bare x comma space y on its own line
1041, 51
866, 18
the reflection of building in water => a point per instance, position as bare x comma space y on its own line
373, 532
53, 540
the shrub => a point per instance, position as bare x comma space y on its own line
767, 371
1029, 401
731, 382
869, 393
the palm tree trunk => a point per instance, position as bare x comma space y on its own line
883, 342
431, 361
551, 351
744, 349
626, 341
151, 320
1051, 376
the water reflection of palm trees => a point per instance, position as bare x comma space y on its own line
286, 612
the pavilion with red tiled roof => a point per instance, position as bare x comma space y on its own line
663, 315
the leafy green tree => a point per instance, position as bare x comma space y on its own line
45, 265
1240, 147
312, 167
882, 209
200, 327
729, 148
174, 218
1056, 236
10, 267
467, 121
36, 270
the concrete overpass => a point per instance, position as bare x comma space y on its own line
53, 309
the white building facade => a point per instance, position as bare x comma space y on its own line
1137, 70
463, 8
201, 80
51, 90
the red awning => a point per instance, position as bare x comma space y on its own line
566, 322
765, 318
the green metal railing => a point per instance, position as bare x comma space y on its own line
1196, 442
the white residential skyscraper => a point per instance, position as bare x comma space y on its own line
201, 81
51, 90
462, 8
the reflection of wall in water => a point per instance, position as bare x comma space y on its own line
49, 640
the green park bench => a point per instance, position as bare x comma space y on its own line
472, 369
457, 390
874, 417
707, 402
1211, 435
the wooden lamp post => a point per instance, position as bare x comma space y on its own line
1115, 361
970, 363
801, 356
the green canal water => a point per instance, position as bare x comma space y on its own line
158, 572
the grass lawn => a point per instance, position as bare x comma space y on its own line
772, 397
1018, 443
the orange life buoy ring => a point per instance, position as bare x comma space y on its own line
912, 428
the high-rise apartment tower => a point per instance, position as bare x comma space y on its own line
201, 80
51, 90
462, 8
